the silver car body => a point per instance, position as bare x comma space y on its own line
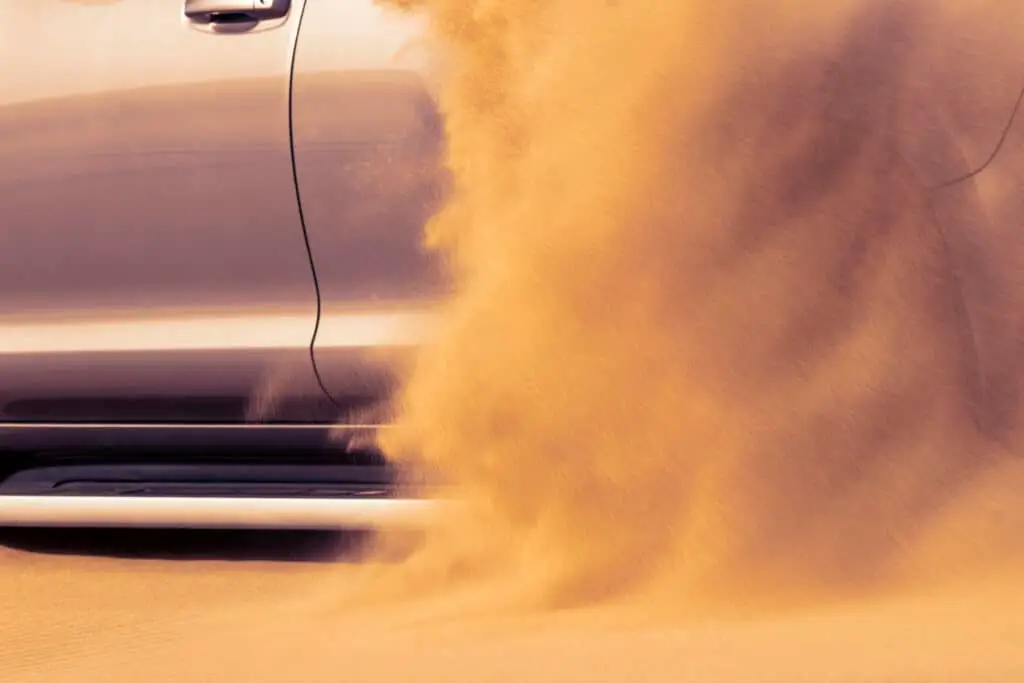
210, 239
165, 283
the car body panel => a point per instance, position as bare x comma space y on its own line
979, 215
369, 157
960, 74
962, 132
168, 294
159, 301
151, 251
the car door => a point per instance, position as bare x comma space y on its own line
369, 159
962, 134
153, 266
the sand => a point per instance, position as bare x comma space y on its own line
732, 313
85, 618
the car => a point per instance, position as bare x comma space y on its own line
211, 269
212, 278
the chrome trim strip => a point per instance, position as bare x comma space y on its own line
217, 513
190, 426
31, 436
356, 330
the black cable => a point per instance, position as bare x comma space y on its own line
302, 216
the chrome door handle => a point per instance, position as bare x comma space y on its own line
206, 11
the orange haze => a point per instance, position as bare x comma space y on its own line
707, 335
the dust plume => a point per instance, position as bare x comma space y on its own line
709, 334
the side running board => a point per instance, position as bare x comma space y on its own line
211, 495
206, 512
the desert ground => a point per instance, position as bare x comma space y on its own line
78, 607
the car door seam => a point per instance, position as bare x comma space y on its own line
995, 152
302, 216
